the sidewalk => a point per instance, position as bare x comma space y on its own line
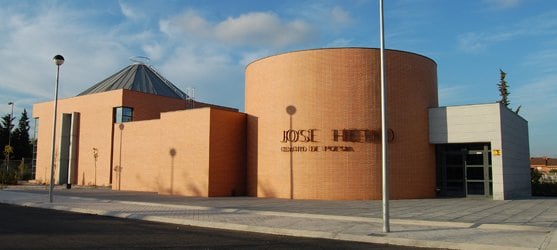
437, 223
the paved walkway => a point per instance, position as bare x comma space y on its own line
437, 223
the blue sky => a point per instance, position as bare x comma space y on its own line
207, 44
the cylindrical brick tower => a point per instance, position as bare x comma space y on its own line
314, 124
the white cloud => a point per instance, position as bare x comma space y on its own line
454, 94
252, 55
538, 107
544, 61
538, 97
327, 18
340, 16
190, 23
263, 29
340, 42
154, 51
472, 42
502, 4
30, 41
215, 75
129, 12
544, 24
193, 51
478, 42
251, 29
211, 55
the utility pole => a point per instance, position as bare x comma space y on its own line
384, 128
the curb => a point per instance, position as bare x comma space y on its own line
549, 242
271, 230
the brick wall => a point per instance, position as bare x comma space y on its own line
339, 89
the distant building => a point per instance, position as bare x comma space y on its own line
543, 164
311, 130
546, 166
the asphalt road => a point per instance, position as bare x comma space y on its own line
34, 228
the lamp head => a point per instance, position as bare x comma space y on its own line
290, 110
58, 60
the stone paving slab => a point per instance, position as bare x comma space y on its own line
511, 230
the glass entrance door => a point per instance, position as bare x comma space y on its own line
478, 172
464, 170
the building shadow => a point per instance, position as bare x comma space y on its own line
172, 153
291, 110
95, 158
118, 168
252, 153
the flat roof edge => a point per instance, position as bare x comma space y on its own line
338, 48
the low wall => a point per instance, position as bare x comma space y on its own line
197, 152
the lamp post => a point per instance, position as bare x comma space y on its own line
58, 60
9, 137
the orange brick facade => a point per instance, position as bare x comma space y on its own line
197, 152
311, 131
332, 148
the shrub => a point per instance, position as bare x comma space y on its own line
535, 176
23, 172
7, 176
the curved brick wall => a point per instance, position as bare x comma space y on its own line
327, 145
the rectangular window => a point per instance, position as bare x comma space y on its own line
123, 114
36, 129
34, 142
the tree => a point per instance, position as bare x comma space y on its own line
20, 139
3, 138
504, 91
6, 129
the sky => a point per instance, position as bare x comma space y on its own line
205, 45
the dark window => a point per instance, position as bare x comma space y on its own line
475, 159
123, 114
475, 173
454, 159
455, 173
476, 188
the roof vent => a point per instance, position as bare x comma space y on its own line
140, 60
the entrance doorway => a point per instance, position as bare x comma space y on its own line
67, 156
464, 170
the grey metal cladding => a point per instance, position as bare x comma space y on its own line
138, 77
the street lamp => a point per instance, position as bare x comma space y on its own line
9, 137
58, 60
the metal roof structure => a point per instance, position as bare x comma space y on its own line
138, 77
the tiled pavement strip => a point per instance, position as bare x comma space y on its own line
438, 223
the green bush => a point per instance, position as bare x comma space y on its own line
7, 176
23, 172
535, 176
540, 188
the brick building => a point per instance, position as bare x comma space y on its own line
136, 131
311, 130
